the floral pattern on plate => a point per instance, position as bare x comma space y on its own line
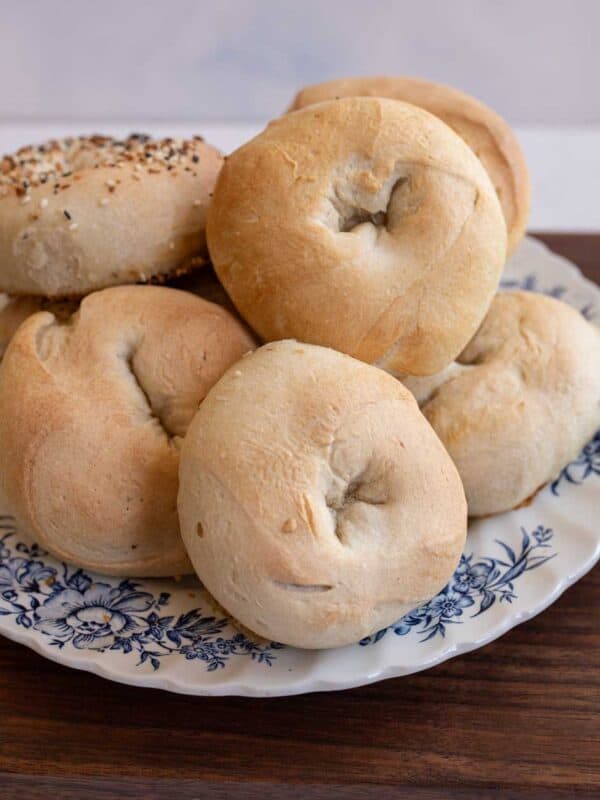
68, 606
476, 585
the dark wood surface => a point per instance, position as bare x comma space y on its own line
519, 718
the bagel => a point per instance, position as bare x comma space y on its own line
362, 224
521, 402
316, 503
486, 133
92, 412
80, 214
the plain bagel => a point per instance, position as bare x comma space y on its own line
362, 224
316, 503
521, 402
80, 214
92, 412
486, 133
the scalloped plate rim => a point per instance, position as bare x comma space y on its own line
224, 689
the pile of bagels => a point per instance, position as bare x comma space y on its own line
288, 370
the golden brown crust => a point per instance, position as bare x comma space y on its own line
316, 503
81, 214
334, 226
486, 133
92, 412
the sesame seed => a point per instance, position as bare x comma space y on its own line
197, 203
171, 245
67, 215
44, 202
73, 226
55, 160
26, 199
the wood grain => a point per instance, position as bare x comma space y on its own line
519, 718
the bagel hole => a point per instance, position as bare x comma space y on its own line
357, 491
128, 359
358, 216
350, 216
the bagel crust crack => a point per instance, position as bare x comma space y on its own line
304, 587
391, 360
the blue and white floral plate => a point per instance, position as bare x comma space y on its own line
166, 634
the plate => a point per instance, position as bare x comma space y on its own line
166, 634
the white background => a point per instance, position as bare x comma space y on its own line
179, 65
536, 61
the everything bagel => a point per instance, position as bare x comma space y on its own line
80, 214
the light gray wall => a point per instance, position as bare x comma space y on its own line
536, 61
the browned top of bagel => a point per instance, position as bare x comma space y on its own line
486, 133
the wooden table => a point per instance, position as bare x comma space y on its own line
520, 718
